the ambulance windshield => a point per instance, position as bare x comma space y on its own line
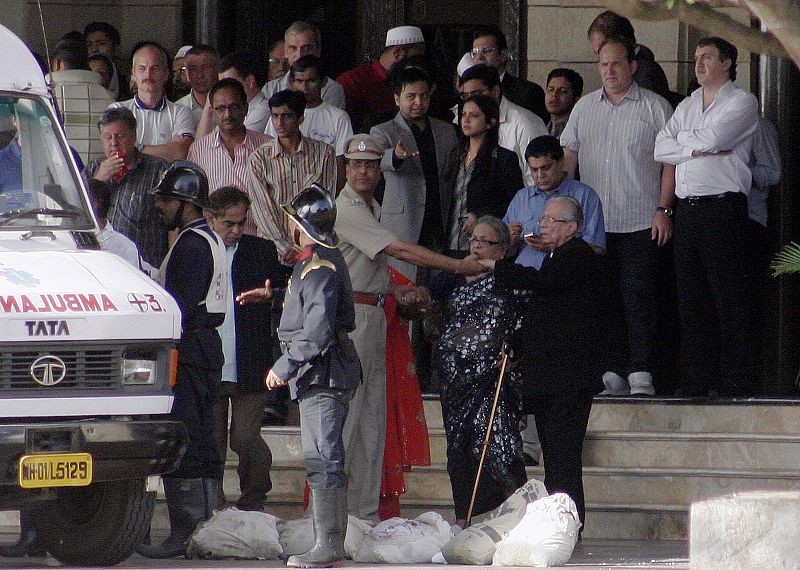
38, 186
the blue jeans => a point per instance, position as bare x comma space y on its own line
322, 414
634, 260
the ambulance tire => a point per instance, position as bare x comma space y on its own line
98, 525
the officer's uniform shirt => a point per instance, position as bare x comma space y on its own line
318, 313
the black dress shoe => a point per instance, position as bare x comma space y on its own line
530, 460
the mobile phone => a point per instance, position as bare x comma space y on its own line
531, 235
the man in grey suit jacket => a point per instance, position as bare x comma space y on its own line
420, 169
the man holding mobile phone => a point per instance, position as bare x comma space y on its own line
545, 158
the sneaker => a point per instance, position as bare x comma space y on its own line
641, 384
615, 385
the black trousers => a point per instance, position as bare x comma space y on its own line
195, 394
561, 420
713, 268
462, 467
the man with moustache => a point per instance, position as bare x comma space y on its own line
164, 129
366, 245
564, 88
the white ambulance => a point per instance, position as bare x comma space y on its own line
86, 346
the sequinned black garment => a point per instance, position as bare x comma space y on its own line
478, 317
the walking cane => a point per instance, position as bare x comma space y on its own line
506, 354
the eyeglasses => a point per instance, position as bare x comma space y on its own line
467, 94
481, 241
551, 220
232, 108
483, 50
278, 61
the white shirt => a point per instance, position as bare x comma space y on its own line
161, 124
188, 101
332, 92
324, 123
258, 113
227, 330
727, 124
115, 242
518, 127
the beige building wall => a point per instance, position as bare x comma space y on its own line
557, 38
136, 20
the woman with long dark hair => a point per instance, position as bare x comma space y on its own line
488, 176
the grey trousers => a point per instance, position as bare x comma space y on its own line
322, 414
365, 428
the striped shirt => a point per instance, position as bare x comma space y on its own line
222, 170
615, 153
276, 177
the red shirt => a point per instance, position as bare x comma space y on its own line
367, 89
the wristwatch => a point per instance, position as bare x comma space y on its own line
667, 211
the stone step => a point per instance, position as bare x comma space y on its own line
609, 486
674, 415
691, 450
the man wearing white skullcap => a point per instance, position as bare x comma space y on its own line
367, 88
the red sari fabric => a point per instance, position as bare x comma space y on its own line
407, 443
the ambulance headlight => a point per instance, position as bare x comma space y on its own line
138, 372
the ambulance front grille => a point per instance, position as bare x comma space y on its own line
84, 368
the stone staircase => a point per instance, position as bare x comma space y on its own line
645, 461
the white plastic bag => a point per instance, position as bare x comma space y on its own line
476, 544
297, 535
403, 541
357, 529
544, 537
241, 535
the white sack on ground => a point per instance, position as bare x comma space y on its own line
544, 537
357, 529
403, 541
476, 544
297, 535
242, 535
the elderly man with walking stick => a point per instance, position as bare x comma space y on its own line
560, 348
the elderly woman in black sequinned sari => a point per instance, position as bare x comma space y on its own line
477, 318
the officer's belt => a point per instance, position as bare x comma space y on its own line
374, 299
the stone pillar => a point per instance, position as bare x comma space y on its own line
779, 80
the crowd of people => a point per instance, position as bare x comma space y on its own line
516, 214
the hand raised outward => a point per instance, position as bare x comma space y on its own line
470, 265
272, 381
488, 264
661, 229
257, 295
401, 152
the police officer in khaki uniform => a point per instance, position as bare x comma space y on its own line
366, 246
